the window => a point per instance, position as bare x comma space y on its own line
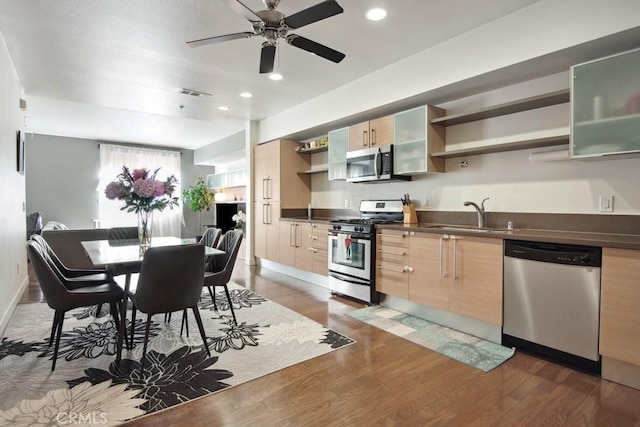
112, 159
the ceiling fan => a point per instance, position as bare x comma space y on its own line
273, 25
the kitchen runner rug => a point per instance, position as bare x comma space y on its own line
470, 350
87, 387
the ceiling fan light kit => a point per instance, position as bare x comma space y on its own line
273, 25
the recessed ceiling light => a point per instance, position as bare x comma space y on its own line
376, 14
223, 108
275, 76
246, 95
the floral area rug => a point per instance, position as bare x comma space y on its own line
88, 387
470, 350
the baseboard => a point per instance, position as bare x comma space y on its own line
621, 372
306, 276
6, 316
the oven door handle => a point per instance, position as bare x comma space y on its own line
348, 279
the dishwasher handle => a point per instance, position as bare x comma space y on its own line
585, 256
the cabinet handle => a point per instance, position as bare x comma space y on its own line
364, 138
373, 137
442, 273
409, 269
455, 257
292, 243
269, 189
404, 269
269, 213
264, 189
383, 251
264, 214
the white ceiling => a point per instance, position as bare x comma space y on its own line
112, 69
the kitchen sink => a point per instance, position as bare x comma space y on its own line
464, 228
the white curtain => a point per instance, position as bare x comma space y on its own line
112, 158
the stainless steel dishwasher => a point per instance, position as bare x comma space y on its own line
552, 301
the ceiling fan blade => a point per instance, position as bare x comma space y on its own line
243, 10
316, 48
267, 58
313, 14
219, 39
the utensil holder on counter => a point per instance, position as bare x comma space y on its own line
410, 216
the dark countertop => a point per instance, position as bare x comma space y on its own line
611, 240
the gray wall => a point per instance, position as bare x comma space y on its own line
62, 177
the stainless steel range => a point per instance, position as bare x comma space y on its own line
352, 248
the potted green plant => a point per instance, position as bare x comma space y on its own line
199, 198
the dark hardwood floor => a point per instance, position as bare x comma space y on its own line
385, 380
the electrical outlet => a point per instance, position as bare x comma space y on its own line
427, 202
606, 203
346, 203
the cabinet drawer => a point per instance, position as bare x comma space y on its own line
392, 238
391, 279
394, 254
320, 241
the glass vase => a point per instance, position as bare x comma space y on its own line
145, 224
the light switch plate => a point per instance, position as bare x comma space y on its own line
606, 203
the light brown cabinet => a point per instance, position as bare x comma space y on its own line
620, 305
459, 274
372, 133
277, 186
392, 259
319, 248
304, 245
476, 279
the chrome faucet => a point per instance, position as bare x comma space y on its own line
479, 210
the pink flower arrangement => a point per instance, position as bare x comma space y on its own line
141, 191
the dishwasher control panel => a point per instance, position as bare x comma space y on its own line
587, 256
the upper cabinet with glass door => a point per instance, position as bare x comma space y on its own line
415, 138
605, 106
338, 147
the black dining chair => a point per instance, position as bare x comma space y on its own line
211, 237
119, 236
72, 276
62, 297
230, 244
170, 280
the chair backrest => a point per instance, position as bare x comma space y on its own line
50, 256
230, 244
211, 237
122, 233
171, 278
53, 288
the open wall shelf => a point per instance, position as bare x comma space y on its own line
539, 101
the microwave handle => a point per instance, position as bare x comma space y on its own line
377, 163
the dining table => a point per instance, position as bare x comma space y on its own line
124, 257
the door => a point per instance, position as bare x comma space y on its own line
354, 260
427, 258
476, 281
381, 131
359, 136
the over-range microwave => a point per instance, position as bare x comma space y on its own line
372, 165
